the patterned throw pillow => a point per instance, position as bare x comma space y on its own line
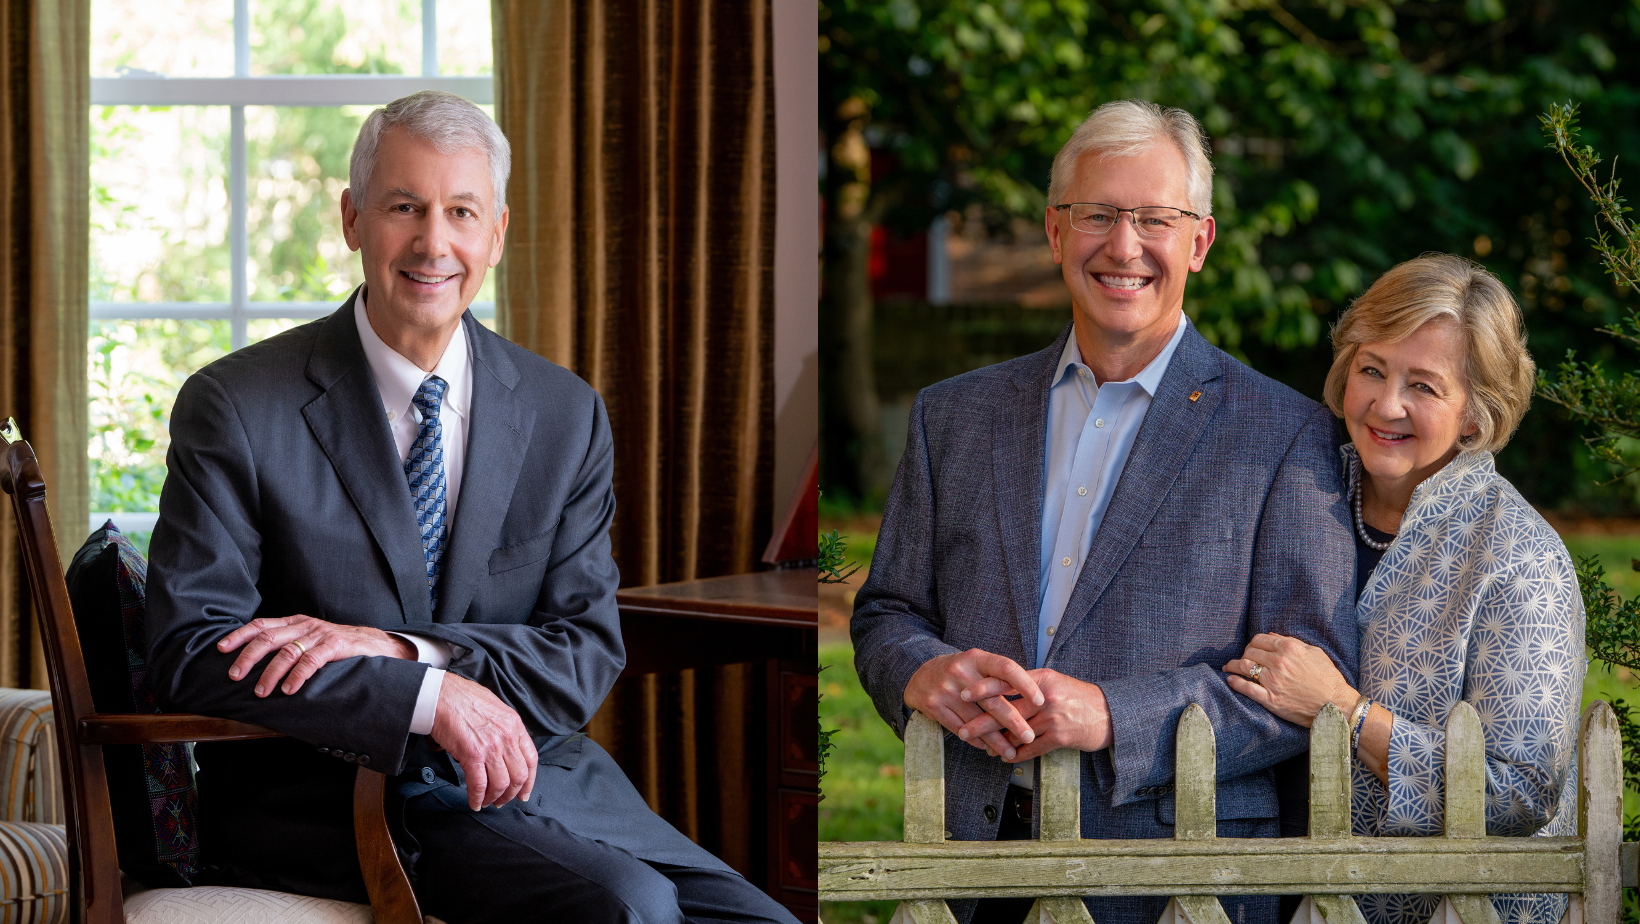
151, 786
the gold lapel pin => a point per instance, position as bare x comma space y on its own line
1195, 395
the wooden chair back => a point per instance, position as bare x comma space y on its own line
94, 874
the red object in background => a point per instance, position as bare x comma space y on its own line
797, 537
898, 267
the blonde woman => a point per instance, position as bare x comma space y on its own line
1463, 591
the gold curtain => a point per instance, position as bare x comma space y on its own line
45, 100
640, 255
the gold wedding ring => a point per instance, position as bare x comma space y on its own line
299, 647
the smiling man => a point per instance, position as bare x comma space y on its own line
386, 534
1076, 540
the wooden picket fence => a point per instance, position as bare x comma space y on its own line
1327, 867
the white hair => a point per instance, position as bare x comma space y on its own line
445, 120
1129, 128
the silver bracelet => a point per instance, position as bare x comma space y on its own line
1358, 719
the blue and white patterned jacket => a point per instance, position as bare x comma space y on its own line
1476, 600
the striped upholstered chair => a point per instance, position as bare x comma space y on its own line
33, 841
57, 858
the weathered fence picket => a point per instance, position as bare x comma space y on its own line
1328, 866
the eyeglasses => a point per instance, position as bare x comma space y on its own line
1148, 220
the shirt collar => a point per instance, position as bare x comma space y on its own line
1149, 378
398, 379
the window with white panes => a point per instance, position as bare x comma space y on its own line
220, 137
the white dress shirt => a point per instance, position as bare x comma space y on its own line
1091, 429
398, 379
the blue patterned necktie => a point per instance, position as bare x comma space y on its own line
425, 471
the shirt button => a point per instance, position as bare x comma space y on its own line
1082, 492
1066, 561
1099, 423
1050, 630
392, 416
1019, 771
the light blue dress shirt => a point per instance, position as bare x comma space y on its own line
1091, 429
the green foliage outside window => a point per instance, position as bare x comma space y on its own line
136, 369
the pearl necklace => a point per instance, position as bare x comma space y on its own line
1360, 525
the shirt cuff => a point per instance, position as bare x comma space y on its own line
421, 721
431, 651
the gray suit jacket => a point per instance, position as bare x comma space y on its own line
286, 495
1228, 520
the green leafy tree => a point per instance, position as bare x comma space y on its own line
1610, 409
1348, 136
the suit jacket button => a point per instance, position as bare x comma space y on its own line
990, 813
427, 775
350, 757
364, 760
1142, 791
324, 750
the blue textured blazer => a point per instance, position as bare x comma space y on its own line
1228, 520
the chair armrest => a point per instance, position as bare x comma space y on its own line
391, 900
164, 728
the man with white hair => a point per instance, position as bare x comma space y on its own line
1098, 527
313, 572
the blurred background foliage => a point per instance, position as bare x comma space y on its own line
1348, 135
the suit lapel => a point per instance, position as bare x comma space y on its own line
497, 437
1019, 441
1173, 426
350, 426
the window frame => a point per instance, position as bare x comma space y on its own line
145, 88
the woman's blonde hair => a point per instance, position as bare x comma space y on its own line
1497, 369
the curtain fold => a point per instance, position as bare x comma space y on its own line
639, 255
45, 100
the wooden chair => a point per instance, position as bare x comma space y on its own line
94, 875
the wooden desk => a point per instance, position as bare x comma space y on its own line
771, 617
721, 620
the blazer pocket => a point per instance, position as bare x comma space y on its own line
562, 751
523, 553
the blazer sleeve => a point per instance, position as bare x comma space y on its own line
204, 563
558, 664
1302, 585
897, 626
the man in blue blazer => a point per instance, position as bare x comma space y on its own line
386, 534
1101, 526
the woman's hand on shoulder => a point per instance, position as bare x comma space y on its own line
1294, 679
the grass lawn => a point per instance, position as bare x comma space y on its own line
863, 790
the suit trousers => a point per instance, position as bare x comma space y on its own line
507, 865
